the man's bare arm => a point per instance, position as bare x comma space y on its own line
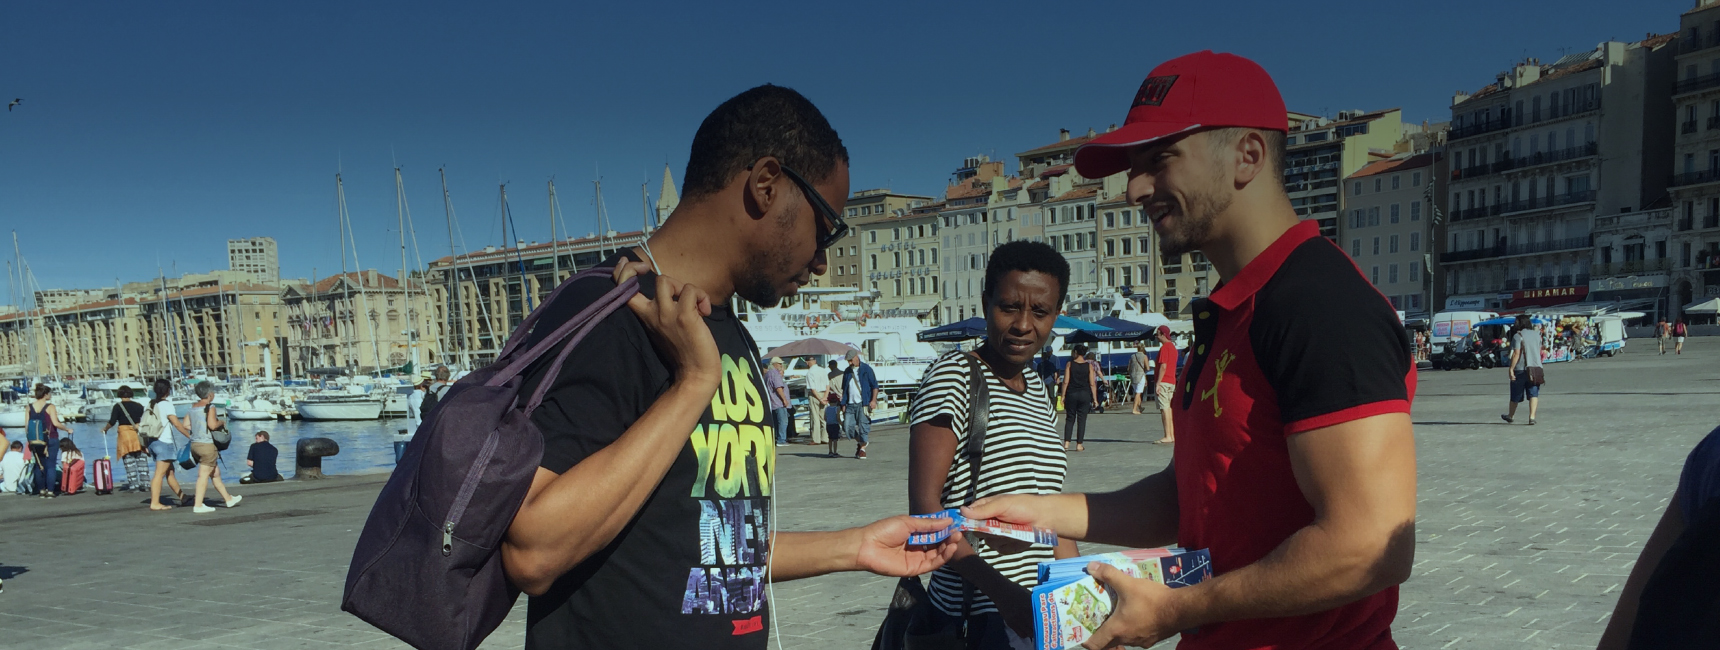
1360, 478
567, 517
1143, 514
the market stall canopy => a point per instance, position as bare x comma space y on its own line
971, 328
1709, 306
809, 347
1116, 329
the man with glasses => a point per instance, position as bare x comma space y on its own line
649, 521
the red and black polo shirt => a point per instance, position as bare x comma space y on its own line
1297, 341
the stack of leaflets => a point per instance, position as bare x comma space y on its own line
992, 527
1069, 605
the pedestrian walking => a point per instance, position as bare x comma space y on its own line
1295, 459
128, 445
165, 449
43, 429
622, 540
860, 391
985, 586
776, 388
817, 397
1046, 368
1662, 334
1138, 364
1525, 371
1165, 384
1080, 385
1679, 331
203, 422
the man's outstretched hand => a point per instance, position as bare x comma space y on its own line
884, 550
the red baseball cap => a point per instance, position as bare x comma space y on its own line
1196, 91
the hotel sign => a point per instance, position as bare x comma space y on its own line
1629, 282
1574, 293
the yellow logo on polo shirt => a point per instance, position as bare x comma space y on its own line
1224, 360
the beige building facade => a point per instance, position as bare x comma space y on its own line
1693, 255
359, 322
257, 256
1388, 227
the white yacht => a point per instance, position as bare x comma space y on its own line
102, 396
345, 400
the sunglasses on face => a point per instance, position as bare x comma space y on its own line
831, 227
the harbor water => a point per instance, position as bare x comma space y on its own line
366, 447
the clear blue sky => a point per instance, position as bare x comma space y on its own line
158, 131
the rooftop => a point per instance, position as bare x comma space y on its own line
1395, 164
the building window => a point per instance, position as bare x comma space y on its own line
1110, 276
1415, 179
1375, 275
1110, 220
1392, 274
872, 236
1357, 189
1144, 245
1355, 248
1374, 216
1394, 243
1414, 242
873, 258
1129, 215
1397, 179
1415, 273
1376, 246
1126, 245
1377, 182
1415, 210
1395, 209
896, 260
1110, 248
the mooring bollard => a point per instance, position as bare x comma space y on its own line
308, 455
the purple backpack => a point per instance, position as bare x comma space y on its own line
428, 566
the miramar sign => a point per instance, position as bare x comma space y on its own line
1551, 292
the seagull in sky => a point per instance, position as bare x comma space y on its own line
15, 102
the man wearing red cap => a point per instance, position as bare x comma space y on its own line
1295, 459
1165, 384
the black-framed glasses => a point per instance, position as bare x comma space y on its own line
833, 228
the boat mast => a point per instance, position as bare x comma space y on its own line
459, 328
603, 243
345, 291
363, 293
554, 241
405, 297
519, 255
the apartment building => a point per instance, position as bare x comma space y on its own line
1634, 260
220, 329
1537, 155
1693, 259
846, 265
967, 235
257, 256
902, 249
1072, 229
1127, 247
360, 322
1388, 227
1320, 152
478, 298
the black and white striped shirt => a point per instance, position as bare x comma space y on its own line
1023, 455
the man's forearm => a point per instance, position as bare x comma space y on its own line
1315, 570
1141, 515
796, 555
573, 515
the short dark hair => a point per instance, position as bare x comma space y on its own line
264, 435
124, 392
1026, 256
763, 121
1080, 350
1275, 146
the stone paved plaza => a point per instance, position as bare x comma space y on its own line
1525, 534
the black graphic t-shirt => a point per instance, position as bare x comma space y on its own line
689, 570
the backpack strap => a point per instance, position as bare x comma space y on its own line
979, 420
525, 327
596, 311
605, 306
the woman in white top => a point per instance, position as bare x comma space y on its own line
1021, 454
165, 449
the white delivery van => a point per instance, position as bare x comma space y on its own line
1448, 326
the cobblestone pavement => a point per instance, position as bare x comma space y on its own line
1525, 533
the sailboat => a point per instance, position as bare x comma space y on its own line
344, 400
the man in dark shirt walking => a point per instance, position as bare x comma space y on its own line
649, 523
1295, 460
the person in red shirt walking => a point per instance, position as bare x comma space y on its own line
1295, 456
1166, 383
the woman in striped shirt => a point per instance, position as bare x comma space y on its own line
1025, 284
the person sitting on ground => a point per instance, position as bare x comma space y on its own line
261, 460
71, 467
12, 467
